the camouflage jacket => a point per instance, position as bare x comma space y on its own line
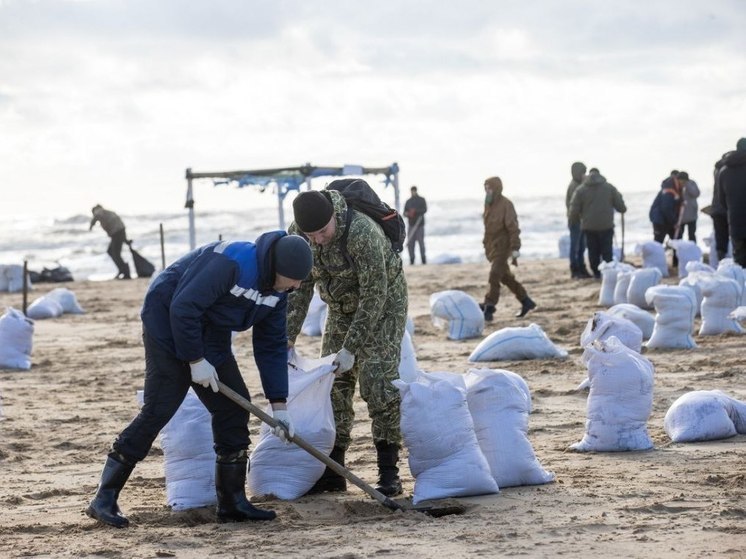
364, 289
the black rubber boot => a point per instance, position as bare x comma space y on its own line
526, 305
104, 505
124, 273
388, 472
488, 310
330, 481
230, 486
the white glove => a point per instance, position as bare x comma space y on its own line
344, 361
285, 430
205, 374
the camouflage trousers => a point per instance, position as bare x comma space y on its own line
376, 365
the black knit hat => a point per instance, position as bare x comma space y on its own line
292, 257
312, 211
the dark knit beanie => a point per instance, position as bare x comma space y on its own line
312, 211
292, 257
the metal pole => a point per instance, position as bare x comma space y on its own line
163, 250
190, 206
25, 286
280, 210
396, 191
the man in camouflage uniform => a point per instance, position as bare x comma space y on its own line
366, 293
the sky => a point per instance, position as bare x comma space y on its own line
109, 101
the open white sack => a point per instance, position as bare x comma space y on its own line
313, 325
16, 340
620, 399
286, 470
529, 342
644, 320
603, 325
653, 256
675, 308
459, 312
500, 404
444, 454
705, 415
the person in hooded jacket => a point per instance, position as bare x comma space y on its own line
577, 238
593, 204
732, 196
502, 244
190, 311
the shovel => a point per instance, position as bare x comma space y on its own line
432, 510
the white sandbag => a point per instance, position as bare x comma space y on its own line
730, 269
674, 319
44, 307
14, 277
686, 252
529, 342
563, 244
739, 314
499, 406
640, 282
444, 454
620, 289
189, 456
603, 325
313, 325
286, 470
640, 317
609, 272
653, 256
698, 266
445, 259
720, 296
705, 415
16, 340
408, 368
692, 281
620, 400
66, 299
409, 326
459, 312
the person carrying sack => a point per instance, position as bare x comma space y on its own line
114, 227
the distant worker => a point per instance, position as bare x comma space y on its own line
502, 243
690, 211
593, 204
114, 227
189, 313
577, 237
732, 192
415, 209
665, 211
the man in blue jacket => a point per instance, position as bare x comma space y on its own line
189, 314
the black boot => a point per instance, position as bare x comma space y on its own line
104, 505
488, 310
124, 273
330, 481
526, 305
230, 485
388, 472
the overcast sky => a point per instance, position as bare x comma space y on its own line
110, 101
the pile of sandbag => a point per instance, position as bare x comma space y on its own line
457, 311
16, 340
55, 303
528, 342
620, 400
705, 415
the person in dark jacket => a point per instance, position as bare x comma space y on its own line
666, 211
415, 209
114, 227
718, 214
189, 314
732, 196
593, 204
577, 237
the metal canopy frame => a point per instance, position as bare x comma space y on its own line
285, 179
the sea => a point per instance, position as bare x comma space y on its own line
453, 233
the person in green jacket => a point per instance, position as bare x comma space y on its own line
593, 204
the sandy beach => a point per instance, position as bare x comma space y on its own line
677, 500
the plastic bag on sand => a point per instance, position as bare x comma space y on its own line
604, 325
620, 399
286, 470
500, 405
66, 299
438, 430
16, 340
459, 312
529, 342
675, 310
642, 318
705, 415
